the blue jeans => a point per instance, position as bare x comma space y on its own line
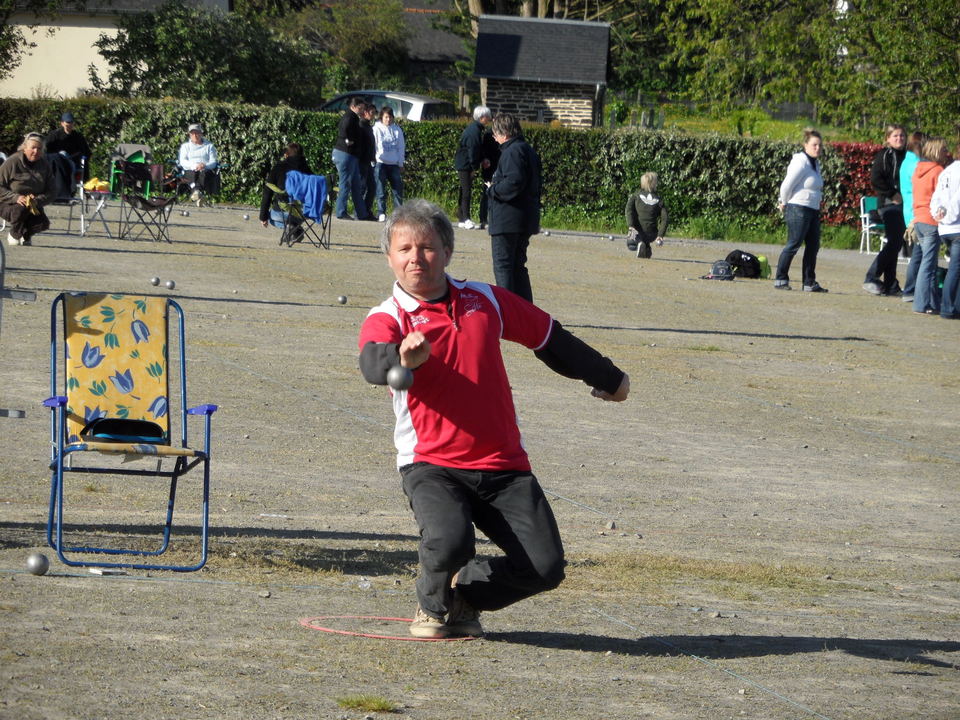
926, 294
910, 284
388, 175
803, 226
351, 184
950, 298
508, 507
510, 263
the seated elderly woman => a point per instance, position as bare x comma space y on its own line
26, 185
198, 158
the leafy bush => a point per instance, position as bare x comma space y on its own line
728, 184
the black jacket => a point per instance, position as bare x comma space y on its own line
73, 144
468, 152
885, 175
278, 176
348, 134
515, 192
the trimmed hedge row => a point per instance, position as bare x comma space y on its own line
588, 174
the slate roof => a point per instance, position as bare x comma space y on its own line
558, 51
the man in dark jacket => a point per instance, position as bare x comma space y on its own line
467, 162
68, 141
514, 194
346, 156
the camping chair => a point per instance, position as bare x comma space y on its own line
303, 205
869, 226
143, 214
111, 406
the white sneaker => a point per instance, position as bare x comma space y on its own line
195, 196
382, 218
469, 224
11, 240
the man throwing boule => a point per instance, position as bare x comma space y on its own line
459, 450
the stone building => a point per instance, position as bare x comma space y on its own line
543, 70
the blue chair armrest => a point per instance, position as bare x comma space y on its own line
55, 401
202, 410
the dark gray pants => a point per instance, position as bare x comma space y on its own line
509, 508
509, 252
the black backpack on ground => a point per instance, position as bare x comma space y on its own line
745, 265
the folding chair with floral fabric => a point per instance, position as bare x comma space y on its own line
111, 405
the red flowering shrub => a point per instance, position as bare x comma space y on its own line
852, 184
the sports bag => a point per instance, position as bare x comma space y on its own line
745, 265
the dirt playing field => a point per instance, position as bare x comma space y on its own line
767, 528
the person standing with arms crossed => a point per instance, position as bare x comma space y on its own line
467, 162
459, 450
514, 193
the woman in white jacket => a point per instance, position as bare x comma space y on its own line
800, 194
945, 208
390, 154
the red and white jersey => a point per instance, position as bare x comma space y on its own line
459, 412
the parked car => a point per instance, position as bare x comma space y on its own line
404, 105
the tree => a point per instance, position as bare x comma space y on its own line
890, 61
187, 52
366, 39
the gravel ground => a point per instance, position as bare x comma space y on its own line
766, 529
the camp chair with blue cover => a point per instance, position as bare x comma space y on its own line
113, 413
300, 207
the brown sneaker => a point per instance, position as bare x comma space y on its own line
427, 626
463, 618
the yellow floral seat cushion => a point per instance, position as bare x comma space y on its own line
117, 367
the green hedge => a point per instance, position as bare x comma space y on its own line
588, 174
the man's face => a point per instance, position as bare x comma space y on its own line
419, 262
195, 137
67, 127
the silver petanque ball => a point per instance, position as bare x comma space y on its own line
38, 564
170, 284
342, 299
399, 377
246, 217
154, 281
186, 213
547, 233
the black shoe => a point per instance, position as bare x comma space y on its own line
643, 250
814, 288
344, 217
632, 248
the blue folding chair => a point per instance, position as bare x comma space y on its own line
111, 405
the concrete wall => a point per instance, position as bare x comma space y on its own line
571, 105
58, 65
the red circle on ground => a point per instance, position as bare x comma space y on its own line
312, 624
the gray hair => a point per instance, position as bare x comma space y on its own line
421, 216
480, 112
32, 137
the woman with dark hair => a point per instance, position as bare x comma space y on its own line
800, 194
881, 278
26, 185
292, 160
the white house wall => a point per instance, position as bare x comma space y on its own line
58, 65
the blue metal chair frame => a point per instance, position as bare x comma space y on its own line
61, 465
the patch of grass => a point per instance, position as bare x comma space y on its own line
367, 703
92, 488
636, 572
